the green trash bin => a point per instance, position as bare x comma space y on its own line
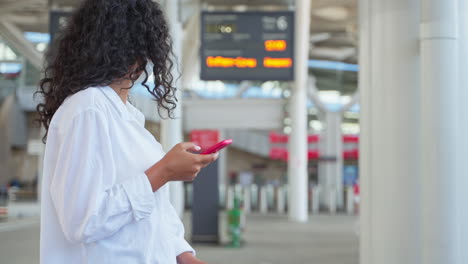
234, 224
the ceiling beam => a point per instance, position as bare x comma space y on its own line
17, 5
26, 20
248, 2
338, 54
15, 39
328, 3
319, 37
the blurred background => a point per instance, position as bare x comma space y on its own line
320, 97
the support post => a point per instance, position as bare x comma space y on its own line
297, 164
462, 151
440, 138
171, 129
390, 148
331, 168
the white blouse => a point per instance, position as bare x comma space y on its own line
97, 203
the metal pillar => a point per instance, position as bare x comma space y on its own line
171, 129
390, 132
440, 90
331, 169
190, 55
297, 164
419, 170
462, 151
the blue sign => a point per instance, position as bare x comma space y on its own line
350, 175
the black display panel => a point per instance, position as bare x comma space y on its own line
58, 20
247, 46
205, 207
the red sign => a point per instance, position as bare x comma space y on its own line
351, 154
279, 153
279, 149
204, 138
351, 139
283, 138
313, 139
313, 154
278, 138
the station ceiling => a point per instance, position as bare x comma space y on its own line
334, 23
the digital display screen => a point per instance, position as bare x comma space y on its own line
58, 20
247, 46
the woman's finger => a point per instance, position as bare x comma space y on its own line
207, 159
190, 146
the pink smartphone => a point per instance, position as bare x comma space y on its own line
217, 147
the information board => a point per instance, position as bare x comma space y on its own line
57, 20
247, 46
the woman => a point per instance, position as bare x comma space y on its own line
104, 188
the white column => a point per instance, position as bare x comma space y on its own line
297, 166
238, 191
316, 199
280, 200
440, 108
332, 200
230, 193
390, 117
171, 129
246, 199
190, 55
263, 200
255, 196
462, 152
323, 180
222, 195
331, 146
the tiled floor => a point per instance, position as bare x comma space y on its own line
270, 239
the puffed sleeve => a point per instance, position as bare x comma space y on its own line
89, 206
178, 232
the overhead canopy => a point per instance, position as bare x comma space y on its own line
333, 24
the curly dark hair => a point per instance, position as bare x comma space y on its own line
101, 42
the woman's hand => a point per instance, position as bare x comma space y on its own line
179, 164
188, 258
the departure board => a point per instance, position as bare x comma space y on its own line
57, 20
247, 46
